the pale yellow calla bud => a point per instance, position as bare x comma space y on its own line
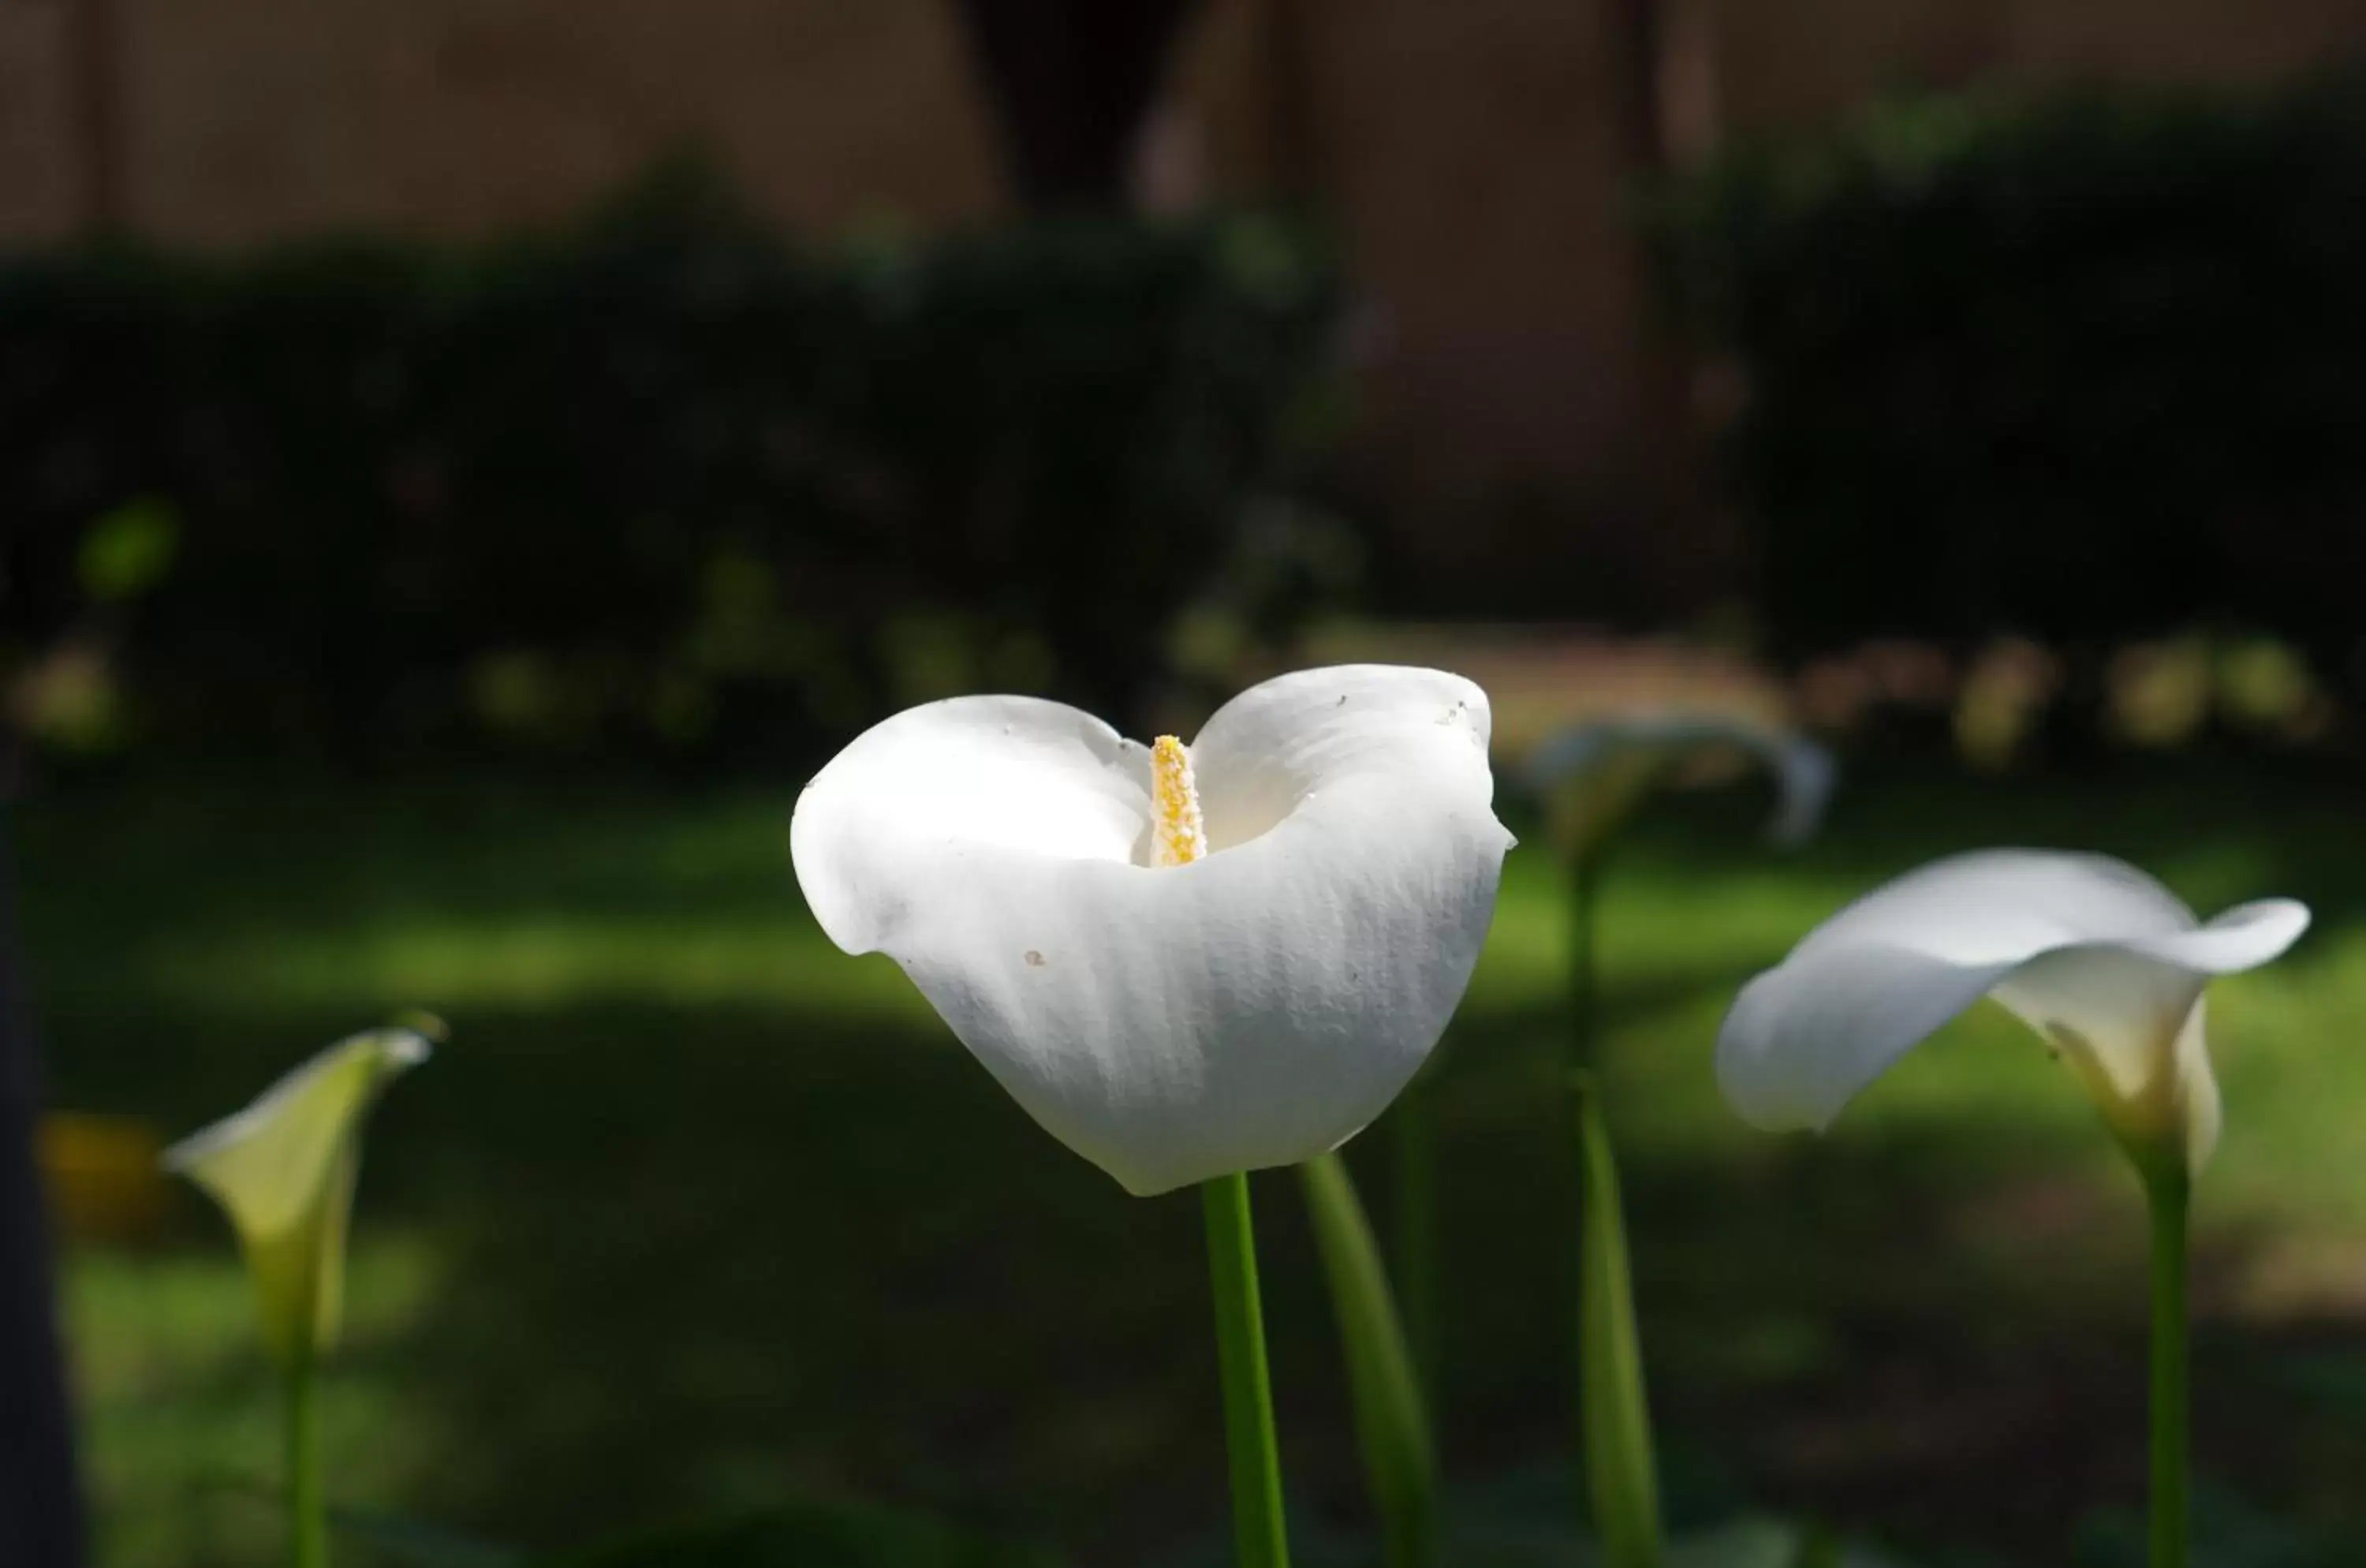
283, 1169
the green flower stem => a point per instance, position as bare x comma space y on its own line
1391, 1427
308, 1507
1614, 1413
1413, 1124
1258, 1534
1583, 1005
1614, 1410
2167, 1192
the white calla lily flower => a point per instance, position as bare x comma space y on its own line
284, 1170
2103, 961
1233, 961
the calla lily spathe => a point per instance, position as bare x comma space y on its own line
2103, 961
284, 1170
1175, 1022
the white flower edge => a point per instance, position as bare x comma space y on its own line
1804, 771
2102, 960
283, 1169
1253, 1008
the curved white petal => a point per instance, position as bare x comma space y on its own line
1254, 1008
1804, 1037
2241, 937
283, 1169
940, 787
2098, 957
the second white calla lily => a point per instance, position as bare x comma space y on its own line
284, 1170
2103, 961
1170, 1022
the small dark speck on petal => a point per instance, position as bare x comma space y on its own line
2061, 1037
1342, 702
1034, 959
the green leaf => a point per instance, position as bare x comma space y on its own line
815, 1533
398, 1539
128, 552
807, 1535
1620, 1472
1754, 1544
421, 1545
1391, 1427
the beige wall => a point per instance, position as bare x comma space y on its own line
244, 119
1462, 149
36, 177
1465, 158
1470, 173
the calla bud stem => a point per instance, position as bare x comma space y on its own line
1259, 1537
1614, 1410
1391, 1425
1615, 1415
2167, 1193
1585, 871
308, 1506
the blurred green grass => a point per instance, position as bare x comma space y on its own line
694, 1213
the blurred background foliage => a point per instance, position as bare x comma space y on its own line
1987, 373
2083, 367
658, 483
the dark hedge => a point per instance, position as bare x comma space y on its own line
662, 480
2086, 368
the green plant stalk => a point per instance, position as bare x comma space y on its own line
1413, 1126
307, 1505
1621, 1475
1391, 1424
1614, 1413
1259, 1537
1584, 874
2167, 1194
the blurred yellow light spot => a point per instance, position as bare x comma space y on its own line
2004, 694
101, 1175
2161, 692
